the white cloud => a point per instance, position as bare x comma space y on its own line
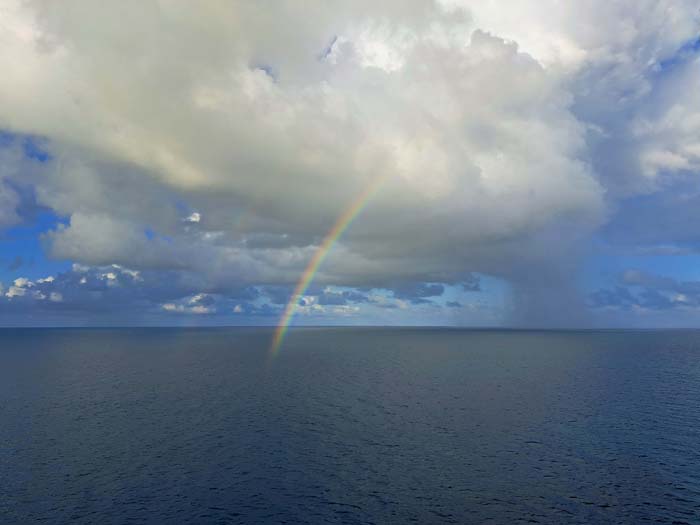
669, 130
10, 167
197, 298
25, 288
19, 287
496, 129
181, 308
194, 217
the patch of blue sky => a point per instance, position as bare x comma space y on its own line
328, 49
493, 292
21, 251
603, 270
22, 244
269, 70
682, 55
34, 147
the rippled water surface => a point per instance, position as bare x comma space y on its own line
349, 426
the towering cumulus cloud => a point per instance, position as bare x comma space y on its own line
219, 141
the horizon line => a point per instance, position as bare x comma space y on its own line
428, 327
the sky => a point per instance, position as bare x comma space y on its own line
536, 163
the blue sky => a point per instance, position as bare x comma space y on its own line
539, 162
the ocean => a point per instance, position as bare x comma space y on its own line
349, 425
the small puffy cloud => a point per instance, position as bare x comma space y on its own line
200, 303
19, 287
193, 217
187, 308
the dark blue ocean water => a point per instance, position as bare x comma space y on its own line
349, 426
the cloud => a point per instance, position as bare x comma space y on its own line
643, 290
218, 143
193, 217
418, 293
11, 160
471, 283
332, 297
113, 289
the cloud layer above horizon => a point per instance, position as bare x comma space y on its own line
194, 155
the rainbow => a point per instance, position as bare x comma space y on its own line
341, 224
